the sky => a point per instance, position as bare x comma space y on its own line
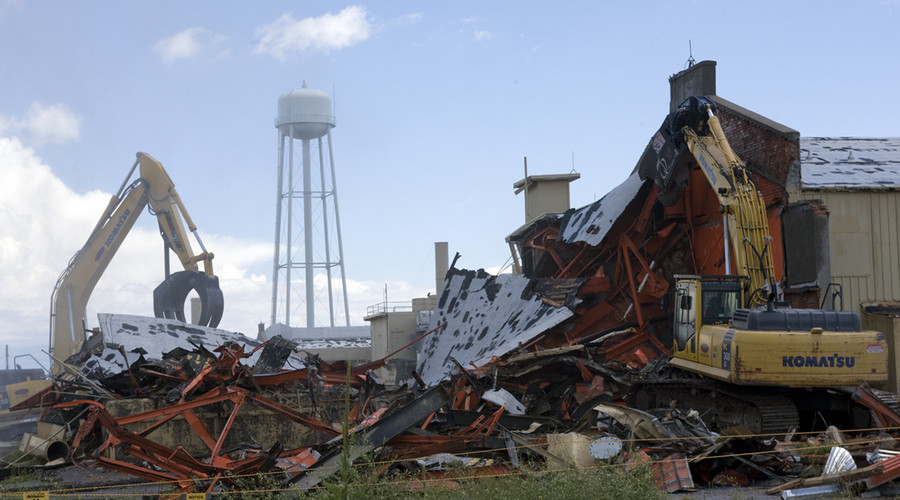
436, 105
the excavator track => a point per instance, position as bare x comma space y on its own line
763, 410
778, 414
719, 405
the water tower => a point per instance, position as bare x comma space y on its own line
306, 241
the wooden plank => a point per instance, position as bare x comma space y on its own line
848, 477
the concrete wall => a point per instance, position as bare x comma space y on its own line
547, 197
356, 355
393, 330
265, 426
390, 332
699, 79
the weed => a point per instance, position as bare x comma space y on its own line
254, 487
608, 482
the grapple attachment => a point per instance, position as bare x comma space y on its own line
169, 297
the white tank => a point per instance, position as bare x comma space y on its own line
308, 110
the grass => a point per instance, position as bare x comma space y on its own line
612, 483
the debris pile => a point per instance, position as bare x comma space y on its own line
569, 361
197, 419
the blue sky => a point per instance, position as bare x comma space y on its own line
436, 104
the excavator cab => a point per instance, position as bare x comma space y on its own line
719, 300
703, 300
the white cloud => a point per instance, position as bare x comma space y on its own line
45, 124
463, 203
40, 218
316, 34
56, 124
44, 223
483, 36
408, 19
188, 44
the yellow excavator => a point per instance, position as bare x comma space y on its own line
154, 189
772, 366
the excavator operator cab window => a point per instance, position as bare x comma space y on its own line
685, 324
719, 305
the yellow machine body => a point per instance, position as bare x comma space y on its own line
814, 349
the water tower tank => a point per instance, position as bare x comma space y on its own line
308, 110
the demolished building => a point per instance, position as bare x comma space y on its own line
604, 274
543, 362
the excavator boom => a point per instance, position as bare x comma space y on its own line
693, 133
76, 283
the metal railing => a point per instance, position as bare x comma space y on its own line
388, 307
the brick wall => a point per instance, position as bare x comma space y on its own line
766, 153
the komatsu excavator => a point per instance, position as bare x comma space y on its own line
770, 367
155, 189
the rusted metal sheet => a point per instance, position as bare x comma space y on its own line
673, 474
485, 316
590, 224
887, 415
164, 463
372, 437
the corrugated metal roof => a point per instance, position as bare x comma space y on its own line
590, 224
485, 316
850, 162
156, 336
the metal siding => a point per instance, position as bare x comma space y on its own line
884, 213
892, 225
864, 243
851, 235
854, 291
877, 244
886, 247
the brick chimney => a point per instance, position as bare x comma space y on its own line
699, 79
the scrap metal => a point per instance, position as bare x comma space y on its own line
486, 316
540, 363
373, 437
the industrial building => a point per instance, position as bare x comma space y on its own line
840, 194
602, 328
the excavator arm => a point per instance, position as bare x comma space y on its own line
739, 199
76, 283
693, 131
167, 206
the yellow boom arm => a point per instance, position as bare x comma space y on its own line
76, 283
740, 202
